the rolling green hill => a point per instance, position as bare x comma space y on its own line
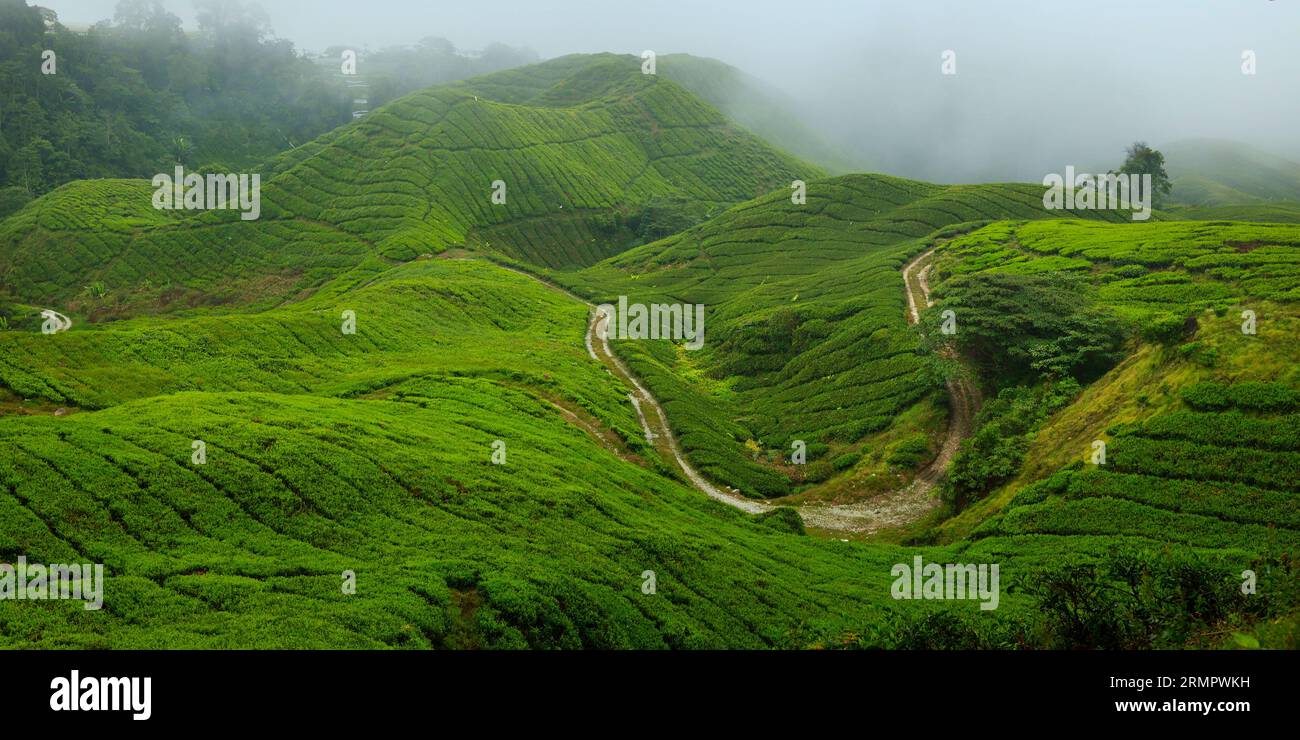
371, 453
1280, 212
1209, 172
249, 549
328, 452
1192, 281
1198, 420
595, 157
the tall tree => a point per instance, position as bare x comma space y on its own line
1143, 160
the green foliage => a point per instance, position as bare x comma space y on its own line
1021, 327
328, 452
1004, 425
663, 217
1129, 271
360, 197
133, 96
1202, 495
910, 452
846, 461
1134, 600
1192, 265
136, 95
783, 519
248, 550
807, 330
1168, 328
371, 452
12, 199
1141, 159
1252, 395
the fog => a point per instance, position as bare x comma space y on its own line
1038, 85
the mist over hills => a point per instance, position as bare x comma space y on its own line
1208, 172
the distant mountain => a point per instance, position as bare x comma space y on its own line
1211, 172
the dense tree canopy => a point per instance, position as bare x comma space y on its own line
136, 95
1023, 327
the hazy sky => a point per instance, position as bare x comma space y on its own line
1039, 84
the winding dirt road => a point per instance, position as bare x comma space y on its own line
907, 504
889, 509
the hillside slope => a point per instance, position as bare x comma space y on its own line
328, 453
1200, 276
1210, 172
594, 156
807, 336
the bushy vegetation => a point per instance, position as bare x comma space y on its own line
249, 550
1198, 483
1004, 426
134, 96
372, 453
1143, 599
1017, 328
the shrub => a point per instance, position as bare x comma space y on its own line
783, 519
1134, 600
910, 452
846, 461
1022, 328
1168, 328
993, 454
1252, 396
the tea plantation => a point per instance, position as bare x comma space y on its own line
363, 388
592, 153
807, 335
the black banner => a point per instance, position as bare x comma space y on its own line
239, 690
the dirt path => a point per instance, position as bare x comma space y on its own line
655, 423
910, 503
890, 509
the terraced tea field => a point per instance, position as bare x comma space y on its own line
583, 144
1222, 480
1196, 421
390, 377
382, 467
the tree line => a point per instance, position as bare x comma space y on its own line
138, 94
